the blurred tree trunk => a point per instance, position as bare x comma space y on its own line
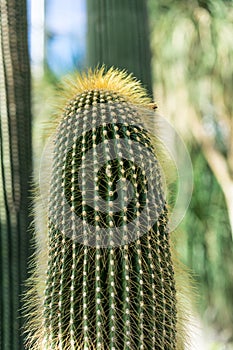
221, 165
118, 35
16, 168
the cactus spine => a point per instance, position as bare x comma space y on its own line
105, 291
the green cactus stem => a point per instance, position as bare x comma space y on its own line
15, 169
118, 35
110, 279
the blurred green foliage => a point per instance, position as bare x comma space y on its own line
208, 247
192, 62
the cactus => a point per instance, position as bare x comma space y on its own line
16, 169
110, 279
118, 35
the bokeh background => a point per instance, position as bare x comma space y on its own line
192, 70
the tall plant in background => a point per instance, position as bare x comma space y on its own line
118, 35
16, 168
193, 67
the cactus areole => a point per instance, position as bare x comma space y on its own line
109, 280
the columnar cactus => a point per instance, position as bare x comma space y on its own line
126, 45
16, 169
109, 280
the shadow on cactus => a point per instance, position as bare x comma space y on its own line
109, 281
